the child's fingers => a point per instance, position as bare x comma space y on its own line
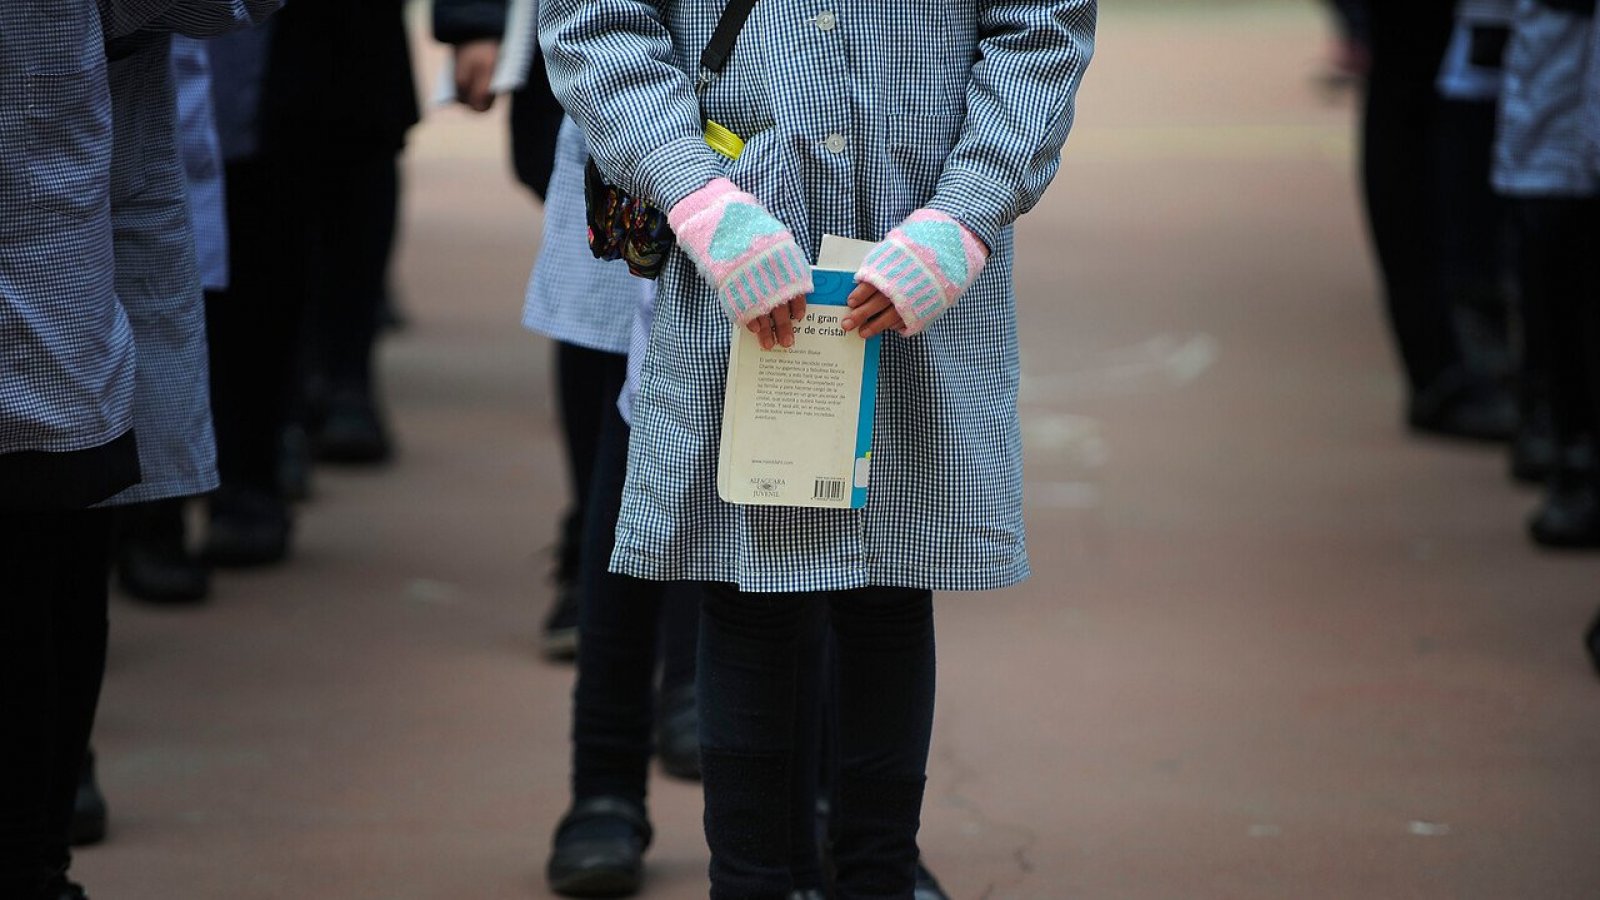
797, 308
782, 328
864, 312
887, 320
860, 295
764, 331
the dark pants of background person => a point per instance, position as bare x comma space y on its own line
749, 684
351, 221
1424, 163
254, 327
1558, 240
587, 385
52, 659
626, 625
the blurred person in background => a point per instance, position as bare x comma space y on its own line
1431, 220
163, 175
153, 561
1546, 167
72, 396
313, 113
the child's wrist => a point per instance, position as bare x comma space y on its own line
746, 254
924, 266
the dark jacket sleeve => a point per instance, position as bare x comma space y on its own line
459, 21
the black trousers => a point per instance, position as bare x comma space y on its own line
626, 625
1559, 271
254, 327
750, 684
351, 222
587, 385
52, 659
1425, 178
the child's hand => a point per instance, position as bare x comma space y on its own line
873, 311
922, 268
475, 62
777, 327
760, 274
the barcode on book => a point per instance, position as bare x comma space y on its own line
829, 489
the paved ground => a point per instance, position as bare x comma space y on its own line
1273, 649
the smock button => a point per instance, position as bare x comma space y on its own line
835, 143
825, 21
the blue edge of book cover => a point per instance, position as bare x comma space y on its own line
833, 289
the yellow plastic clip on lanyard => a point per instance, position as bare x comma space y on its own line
723, 141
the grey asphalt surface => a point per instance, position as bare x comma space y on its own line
1273, 648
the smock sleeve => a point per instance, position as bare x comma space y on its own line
192, 18
1020, 102
611, 65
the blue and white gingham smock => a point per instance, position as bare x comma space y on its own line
66, 351
158, 283
1541, 149
572, 296
1591, 113
855, 113
201, 152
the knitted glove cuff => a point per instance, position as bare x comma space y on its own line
748, 256
924, 266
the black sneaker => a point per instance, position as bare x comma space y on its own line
88, 808
599, 849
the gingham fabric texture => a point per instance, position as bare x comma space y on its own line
66, 350
854, 115
638, 343
194, 18
1541, 148
157, 282
924, 266
201, 153
1592, 95
67, 356
749, 257
572, 296
1486, 12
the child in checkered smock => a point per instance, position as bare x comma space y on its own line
928, 126
1545, 165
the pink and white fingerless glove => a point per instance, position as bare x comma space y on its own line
748, 256
924, 266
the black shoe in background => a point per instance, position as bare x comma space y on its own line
1460, 407
1569, 516
678, 732
560, 633
152, 562
59, 887
350, 430
599, 849
89, 813
1533, 450
248, 528
1592, 640
294, 464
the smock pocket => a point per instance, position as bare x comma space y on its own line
68, 157
919, 144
